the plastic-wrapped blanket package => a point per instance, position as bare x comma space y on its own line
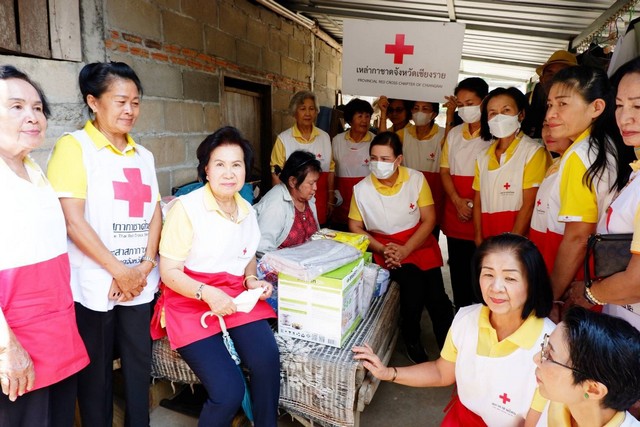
359, 241
312, 259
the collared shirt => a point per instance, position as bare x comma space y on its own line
466, 135
425, 197
534, 170
578, 202
279, 154
489, 345
412, 130
367, 137
66, 169
559, 416
176, 242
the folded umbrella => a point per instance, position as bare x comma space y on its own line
228, 343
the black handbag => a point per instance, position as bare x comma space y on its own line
611, 254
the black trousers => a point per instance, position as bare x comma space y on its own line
460, 259
52, 406
422, 289
124, 329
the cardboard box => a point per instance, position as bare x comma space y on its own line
324, 310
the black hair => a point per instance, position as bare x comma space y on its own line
434, 106
11, 72
605, 349
629, 67
227, 135
390, 139
96, 77
475, 85
539, 295
592, 84
356, 106
298, 165
518, 97
407, 105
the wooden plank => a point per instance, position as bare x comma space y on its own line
8, 36
34, 27
64, 16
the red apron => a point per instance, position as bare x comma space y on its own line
345, 185
497, 223
451, 225
426, 257
322, 198
437, 192
183, 314
458, 415
37, 304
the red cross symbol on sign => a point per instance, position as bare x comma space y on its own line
411, 206
133, 191
506, 186
399, 49
505, 398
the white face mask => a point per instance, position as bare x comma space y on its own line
382, 170
421, 118
503, 125
469, 114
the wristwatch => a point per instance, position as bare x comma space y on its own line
199, 292
151, 260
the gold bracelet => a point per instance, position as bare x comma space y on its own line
244, 282
395, 374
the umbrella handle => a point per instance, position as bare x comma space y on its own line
203, 321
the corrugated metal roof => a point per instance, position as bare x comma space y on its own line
520, 34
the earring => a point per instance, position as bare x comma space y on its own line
586, 395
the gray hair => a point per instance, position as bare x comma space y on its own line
298, 99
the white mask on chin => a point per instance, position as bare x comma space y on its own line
503, 125
382, 170
421, 118
469, 114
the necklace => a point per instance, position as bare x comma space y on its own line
232, 214
302, 211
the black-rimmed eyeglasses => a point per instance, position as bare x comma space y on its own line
544, 355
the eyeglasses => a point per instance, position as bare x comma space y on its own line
544, 355
392, 110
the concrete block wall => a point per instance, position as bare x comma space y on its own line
181, 50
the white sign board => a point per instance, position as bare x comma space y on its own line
399, 59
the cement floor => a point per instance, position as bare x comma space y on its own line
392, 405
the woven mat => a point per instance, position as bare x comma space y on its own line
319, 382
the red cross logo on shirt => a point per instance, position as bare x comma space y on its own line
506, 186
319, 155
432, 155
539, 202
411, 206
244, 251
505, 398
399, 49
133, 191
366, 161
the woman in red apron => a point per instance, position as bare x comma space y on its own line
351, 155
394, 207
40, 348
207, 258
304, 135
